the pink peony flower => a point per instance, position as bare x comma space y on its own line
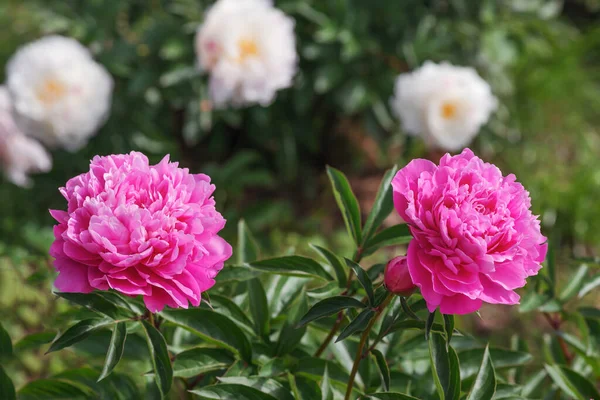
397, 279
475, 239
140, 229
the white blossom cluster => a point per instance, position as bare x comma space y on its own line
445, 104
249, 49
54, 93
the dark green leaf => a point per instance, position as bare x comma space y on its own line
200, 360
471, 359
363, 279
159, 355
55, 389
533, 383
265, 385
231, 392
392, 236
429, 324
440, 364
293, 266
574, 284
485, 383
347, 203
453, 390
247, 249
384, 370
329, 306
326, 390
532, 301
290, 334
407, 309
34, 341
357, 325
6, 349
236, 273
412, 324
589, 286
335, 262
7, 389
212, 327
78, 332
572, 383
383, 205
391, 396
96, 303
259, 308
448, 326
115, 349
589, 312
223, 305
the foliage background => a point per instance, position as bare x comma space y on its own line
540, 56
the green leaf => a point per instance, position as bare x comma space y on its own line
6, 349
223, 305
357, 325
533, 383
201, 360
55, 389
231, 392
440, 364
407, 309
347, 203
589, 286
453, 390
159, 355
34, 341
7, 389
259, 308
471, 359
412, 324
294, 266
326, 390
448, 326
383, 205
429, 324
392, 236
96, 303
335, 262
247, 249
234, 273
391, 396
485, 383
572, 383
363, 279
265, 385
589, 312
78, 332
329, 306
575, 283
384, 370
115, 349
212, 327
290, 334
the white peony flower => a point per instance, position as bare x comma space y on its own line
445, 104
19, 155
249, 49
60, 95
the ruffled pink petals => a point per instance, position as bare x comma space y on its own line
140, 230
474, 238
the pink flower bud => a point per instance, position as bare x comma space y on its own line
397, 278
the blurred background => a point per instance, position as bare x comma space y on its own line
541, 57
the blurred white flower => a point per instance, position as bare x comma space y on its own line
249, 49
60, 95
19, 155
445, 104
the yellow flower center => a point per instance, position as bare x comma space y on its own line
50, 91
247, 48
449, 110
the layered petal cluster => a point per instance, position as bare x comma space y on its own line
445, 104
140, 229
249, 49
475, 238
19, 154
61, 96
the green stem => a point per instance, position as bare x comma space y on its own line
151, 319
361, 345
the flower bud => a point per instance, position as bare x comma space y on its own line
397, 278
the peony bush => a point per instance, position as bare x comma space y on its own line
152, 297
